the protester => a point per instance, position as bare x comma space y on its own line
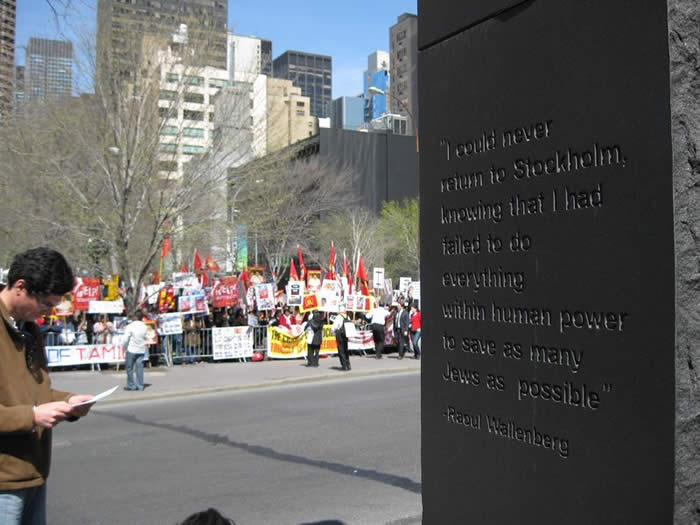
135, 343
193, 340
30, 408
341, 338
287, 319
401, 330
377, 316
415, 330
314, 338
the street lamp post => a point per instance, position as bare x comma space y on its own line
377, 91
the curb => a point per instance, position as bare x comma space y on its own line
257, 386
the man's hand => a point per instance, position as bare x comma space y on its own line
49, 415
82, 410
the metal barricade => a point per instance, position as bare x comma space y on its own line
196, 346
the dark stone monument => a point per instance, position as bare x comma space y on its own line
549, 288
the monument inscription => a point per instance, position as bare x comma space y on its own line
547, 242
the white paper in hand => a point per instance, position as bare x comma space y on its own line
98, 397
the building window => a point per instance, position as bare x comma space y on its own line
167, 165
192, 80
193, 132
168, 130
193, 115
192, 150
217, 83
168, 148
197, 98
172, 77
300, 112
301, 104
167, 94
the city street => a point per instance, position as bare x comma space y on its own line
345, 450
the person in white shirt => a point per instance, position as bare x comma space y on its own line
135, 345
377, 316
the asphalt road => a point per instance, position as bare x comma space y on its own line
345, 450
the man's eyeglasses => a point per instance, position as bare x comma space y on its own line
44, 302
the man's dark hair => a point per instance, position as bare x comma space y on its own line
207, 517
45, 271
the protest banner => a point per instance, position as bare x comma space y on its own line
414, 290
86, 289
310, 303
283, 345
256, 275
225, 292
362, 340
330, 295
313, 282
106, 307
265, 296
84, 354
195, 302
404, 283
151, 333
65, 307
357, 303
186, 281
295, 293
233, 342
170, 324
378, 278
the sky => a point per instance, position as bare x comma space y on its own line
348, 31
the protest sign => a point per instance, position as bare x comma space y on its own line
225, 292
170, 324
378, 278
295, 293
265, 296
283, 345
84, 354
233, 342
330, 295
86, 289
106, 307
310, 303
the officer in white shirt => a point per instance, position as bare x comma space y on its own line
377, 316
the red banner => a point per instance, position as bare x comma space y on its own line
225, 292
86, 289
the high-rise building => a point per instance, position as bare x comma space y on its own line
248, 56
403, 43
348, 112
312, 73
376, 75
48, 69
289, 118
121, 23
19, 87
7, 54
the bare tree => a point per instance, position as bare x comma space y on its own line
104, 174
281, 200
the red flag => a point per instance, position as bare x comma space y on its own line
244, 278
302, 266
346, 273
331, 263
204, 278
293, 275
183, 268
165, 247
211, 264
197, 262
362, 276
155, 279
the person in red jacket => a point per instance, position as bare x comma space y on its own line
415, 330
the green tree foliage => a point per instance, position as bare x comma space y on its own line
399, 226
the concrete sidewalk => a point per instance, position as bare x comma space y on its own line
201, 378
